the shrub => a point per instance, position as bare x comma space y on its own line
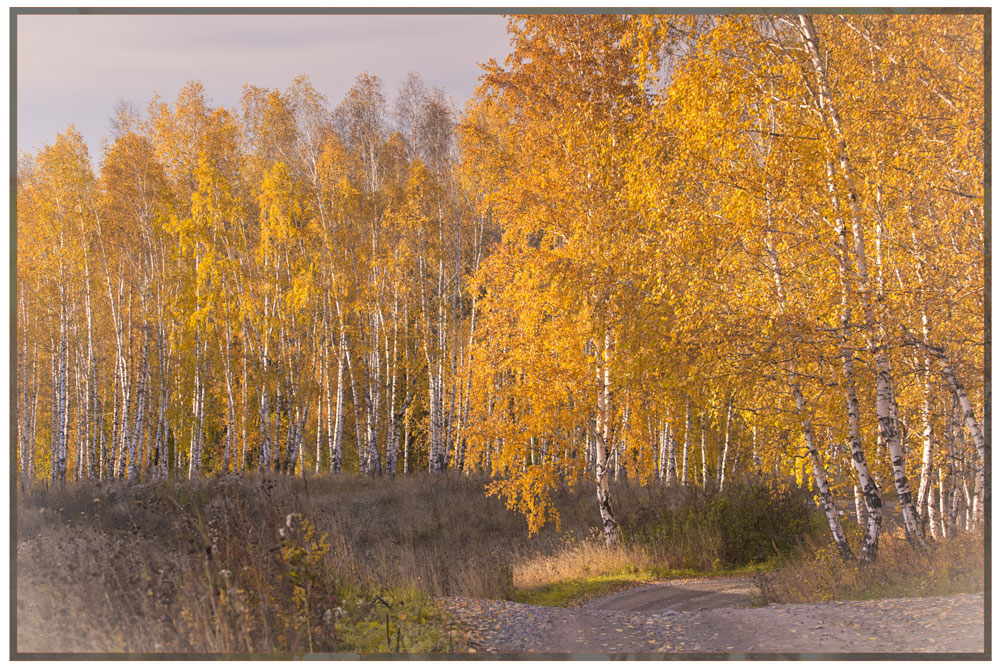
744, 524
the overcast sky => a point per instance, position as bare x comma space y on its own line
73, 69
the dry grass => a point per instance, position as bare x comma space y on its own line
279, 565
581, 559
203, 566
955, 565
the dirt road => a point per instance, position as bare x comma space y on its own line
714, 616
681, 595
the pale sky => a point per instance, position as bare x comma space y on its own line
73, 68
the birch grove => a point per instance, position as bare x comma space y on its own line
764, 231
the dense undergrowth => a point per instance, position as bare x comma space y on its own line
292, 565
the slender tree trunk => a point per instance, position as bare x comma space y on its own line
704, 456
229, 451
322, 358
357, 418
926, 482
135, 443
661, 456
392, 437
819, 474
883, 379
337, 456
972, 424
280, 410
246, 405
601, 436
725, 446
81, 421
437, 463
942, 508
668, 434
931, 512
54, 432
860, 513
687, 440
319, 418
264, 414
194, 462
868, 486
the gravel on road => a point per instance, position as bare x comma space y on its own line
713, 616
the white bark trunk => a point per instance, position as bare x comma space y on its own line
704, 455
687, 440
602, 435
884, 390
869, 488
725, 446
668, 434
819, 474
972, 424
942, 505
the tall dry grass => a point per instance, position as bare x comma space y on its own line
581, 558
945, 567
207, 565
278, 565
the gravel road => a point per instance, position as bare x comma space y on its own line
714, 616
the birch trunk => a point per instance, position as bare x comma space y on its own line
280, 410
197, 394
884, 385
229, 450
263, 412
464, 413
322, 358
860, 514
294, 439
93, 408
81, 419
27, 394
668, 434
406, 415
135, 443
819, 474
869, 489
357, 419
601, 436
687, 440
942, 507
392, 415
54, 433
319, 417
245, 412
704, 456
926, 483
972, 424
725, 446
932, 514
437, 462
337, 456
61, 394
661, 457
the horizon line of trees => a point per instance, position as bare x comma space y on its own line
678, 248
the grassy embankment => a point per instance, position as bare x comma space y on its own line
321, 565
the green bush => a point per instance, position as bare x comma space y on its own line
744, 524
